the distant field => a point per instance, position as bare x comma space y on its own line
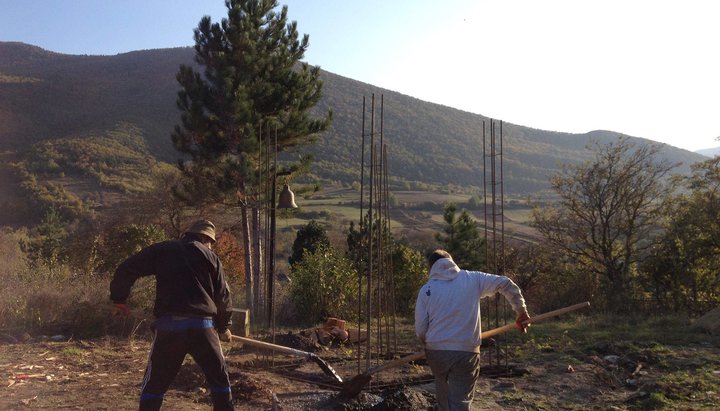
337, 207
419, 197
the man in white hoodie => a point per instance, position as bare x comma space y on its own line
447, 323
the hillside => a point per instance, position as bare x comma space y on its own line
710, 152
80, 174
49, 96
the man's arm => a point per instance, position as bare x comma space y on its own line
491, 284
223, 300
513, 295
136, 266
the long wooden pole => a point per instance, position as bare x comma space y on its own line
486, 334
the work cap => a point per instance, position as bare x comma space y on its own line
204, 227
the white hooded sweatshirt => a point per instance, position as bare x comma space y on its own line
447, 311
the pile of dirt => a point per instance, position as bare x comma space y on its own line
244, 388
405, 399
298, 342
188, 378
335, 402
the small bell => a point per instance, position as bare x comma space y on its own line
287, 198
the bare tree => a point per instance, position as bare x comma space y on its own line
607, 210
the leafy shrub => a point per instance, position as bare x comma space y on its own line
324, 284
38, 298
45, 245
230, 251
410, 273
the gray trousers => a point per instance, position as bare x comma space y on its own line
455, 375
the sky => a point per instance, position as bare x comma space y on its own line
646, 68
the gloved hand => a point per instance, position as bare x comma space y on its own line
519, 321
120, 309
225, 336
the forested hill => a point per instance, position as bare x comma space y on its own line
46, 95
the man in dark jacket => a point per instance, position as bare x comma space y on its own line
192, 310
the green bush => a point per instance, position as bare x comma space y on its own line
324, 284
410, 273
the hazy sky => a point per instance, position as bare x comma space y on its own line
644, 68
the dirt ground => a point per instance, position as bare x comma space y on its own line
105, 374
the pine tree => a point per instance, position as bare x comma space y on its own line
462, 239
253, 85
309, 238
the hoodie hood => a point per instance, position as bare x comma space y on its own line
444, 269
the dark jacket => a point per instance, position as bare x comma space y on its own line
189, 280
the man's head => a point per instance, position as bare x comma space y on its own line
436, 255
201, 230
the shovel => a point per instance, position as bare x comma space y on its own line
353, 387
291, 351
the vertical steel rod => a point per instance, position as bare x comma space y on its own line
360, 230
485, 216
271, 251
368, 345
390, 267
381, 300
377, 235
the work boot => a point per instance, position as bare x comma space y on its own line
153, 404
222, 401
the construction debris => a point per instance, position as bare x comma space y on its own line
333, 332
298, 341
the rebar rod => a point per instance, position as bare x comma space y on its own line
502, 227
502, 206
390, 267
271, 251
381, 246
360, 230
377, 233
368, 344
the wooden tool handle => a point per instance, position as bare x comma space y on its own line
486, 334
273, 347
537, 318
398, 361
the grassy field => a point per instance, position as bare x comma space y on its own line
662, 362
589, 360
417, 213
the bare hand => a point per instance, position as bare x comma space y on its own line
521, 318
225, 336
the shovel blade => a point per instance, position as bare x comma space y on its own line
327, 369
352, 388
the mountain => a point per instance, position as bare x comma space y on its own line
709, 152
46, 96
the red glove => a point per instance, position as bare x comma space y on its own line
519, 321
121, 310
